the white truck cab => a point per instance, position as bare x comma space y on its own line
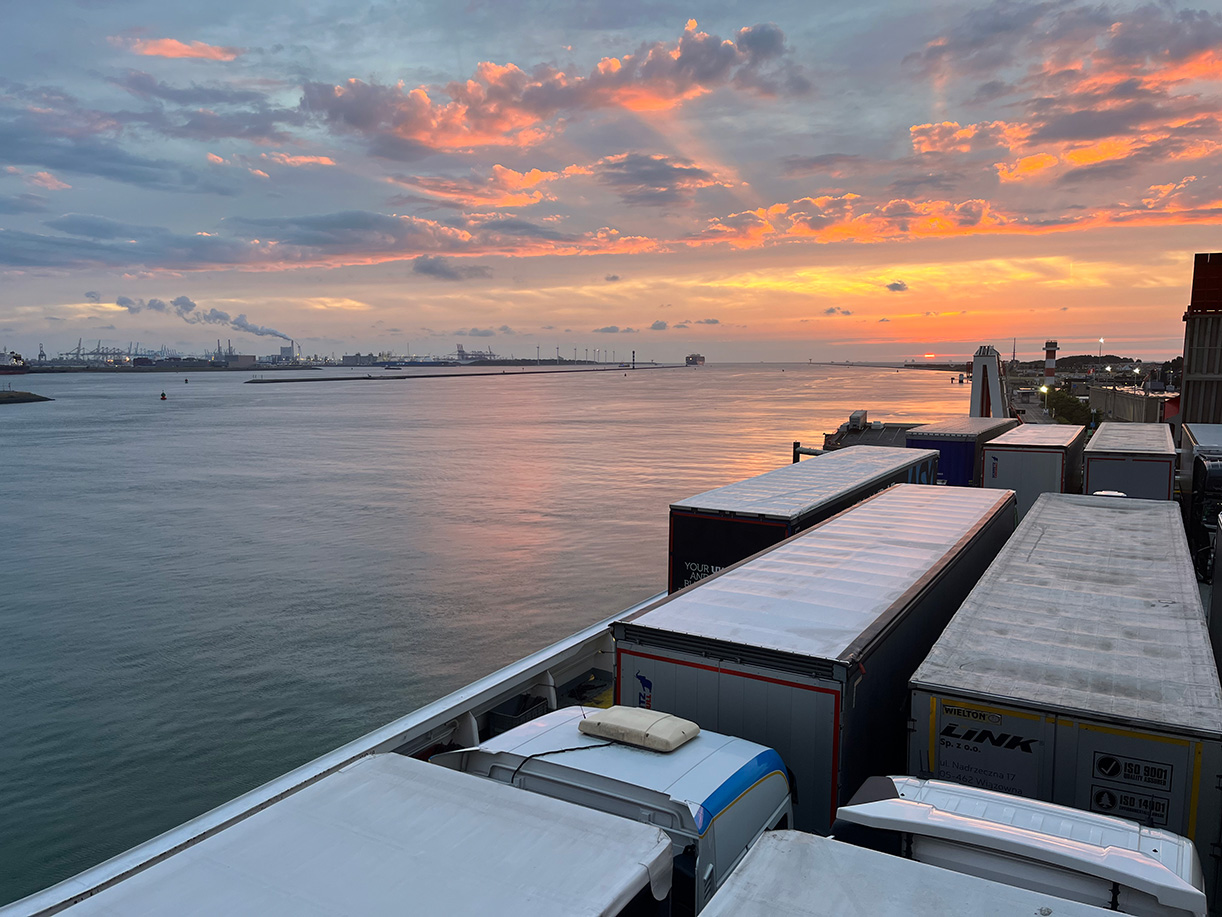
713, 794
1082, 856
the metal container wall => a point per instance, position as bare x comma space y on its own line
959, 442
720, 527
1079, 671
1200, 438
807, 647
1136, 459
1035, 459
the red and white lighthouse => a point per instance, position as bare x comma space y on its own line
1050, 363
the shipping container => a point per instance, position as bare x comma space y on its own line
722, 526
802, 875
807, 647
1135, 459
960, 444
1035, 459
1079, 671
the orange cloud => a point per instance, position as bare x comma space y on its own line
1025, 168
950, 137
284, 159
172, 47
503, 105
47, 181
504, 188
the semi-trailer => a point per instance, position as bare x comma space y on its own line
960, 444
1135, 459
1079, 671
807, 647
1034, 459
722, 526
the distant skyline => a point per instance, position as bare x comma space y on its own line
767, 182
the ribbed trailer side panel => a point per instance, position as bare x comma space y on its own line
1079, 671
807, 647
720, 527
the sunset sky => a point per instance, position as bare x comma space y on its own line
763, 181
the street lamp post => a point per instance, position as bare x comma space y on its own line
1100, 348
1044, 389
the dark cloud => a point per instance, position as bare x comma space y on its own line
835, 310
22, 203
505, 329
1087, 124
476, 332
829, 163
682, 325
447, 269
93, 296
146, 86
884, 319
659, 325
608, 329
48, 130
611, 278
707, 321
897, 286
652, 179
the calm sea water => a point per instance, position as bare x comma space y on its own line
199, 594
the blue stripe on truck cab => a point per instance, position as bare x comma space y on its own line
759, 767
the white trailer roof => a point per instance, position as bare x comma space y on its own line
390, 834
1091, 607
793, 874
793, 490
817, 593
1129, 438
1157, 863
961, 427
1038, 435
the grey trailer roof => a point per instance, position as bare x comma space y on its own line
1039, 435
793, 874
1091, 608
962, 428
1129, 438
390, 834
1205, 435
793, 490
818, 592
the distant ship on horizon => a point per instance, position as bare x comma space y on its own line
694, 359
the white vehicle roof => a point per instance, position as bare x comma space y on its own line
389, 834
1036, 435
705, 774
1158, 863
819, 593
792, 490
961, 427
1108, 624
793, 874
1128, 438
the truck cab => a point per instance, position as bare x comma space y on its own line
1083, 856
713, 794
